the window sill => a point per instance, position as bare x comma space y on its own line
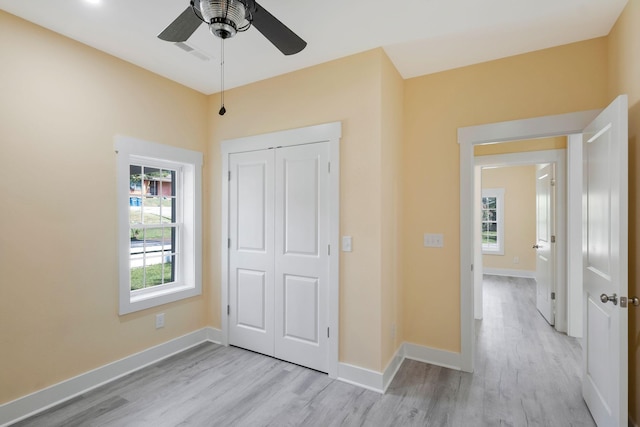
142, 301
496, 252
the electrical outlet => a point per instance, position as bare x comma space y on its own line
516, 260
159, 320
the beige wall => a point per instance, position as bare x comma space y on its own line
552, 81
624, 77
61, 103
350, 90
391, 205
519, 184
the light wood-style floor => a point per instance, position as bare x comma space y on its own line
526, 375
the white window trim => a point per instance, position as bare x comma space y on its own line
189, 283
498, 193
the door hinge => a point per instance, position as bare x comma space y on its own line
471, 267
553, 239
553, 182
329, 249
329, 167
328, 332
228, 310
229, 176
229, 243
553, 296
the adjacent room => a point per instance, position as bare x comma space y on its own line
285, 226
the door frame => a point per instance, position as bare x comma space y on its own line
557, 157
330, 133
516, 130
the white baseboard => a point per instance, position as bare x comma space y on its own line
46, 398
392, 368
379, 381
214, 335
433, 356
509, 272
361, 377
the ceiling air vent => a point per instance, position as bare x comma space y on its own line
193, 51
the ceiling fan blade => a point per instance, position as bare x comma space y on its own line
276, 32
182, 28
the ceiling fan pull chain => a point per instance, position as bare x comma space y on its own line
222, 109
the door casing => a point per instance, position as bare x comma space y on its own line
330, 133
468, 137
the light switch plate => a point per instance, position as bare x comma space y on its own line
433, 240
347, 244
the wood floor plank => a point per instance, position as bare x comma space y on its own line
527, 374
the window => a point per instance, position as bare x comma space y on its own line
159, 223
493, 221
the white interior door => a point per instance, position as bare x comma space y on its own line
545, 241
278, 253
605, 233
301, 256
251, 251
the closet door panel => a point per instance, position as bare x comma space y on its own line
301, 254
251, 251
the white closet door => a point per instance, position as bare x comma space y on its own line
251, 251
301, 254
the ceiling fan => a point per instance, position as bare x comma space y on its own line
227, 17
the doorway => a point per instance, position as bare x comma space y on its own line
522, 252
565, 124
599, 164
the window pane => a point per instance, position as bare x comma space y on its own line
168, 266
137, 235
135, 180
135, 210
168, 240
153, 271
167, 184
151, 210
167, 212
153, 240
136, 271
151, 175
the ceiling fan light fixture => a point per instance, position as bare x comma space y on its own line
225, 17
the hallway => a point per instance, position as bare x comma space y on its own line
530, 373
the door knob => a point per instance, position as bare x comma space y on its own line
536, 246
613, 298
624, 302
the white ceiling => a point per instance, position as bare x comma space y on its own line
420, 36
